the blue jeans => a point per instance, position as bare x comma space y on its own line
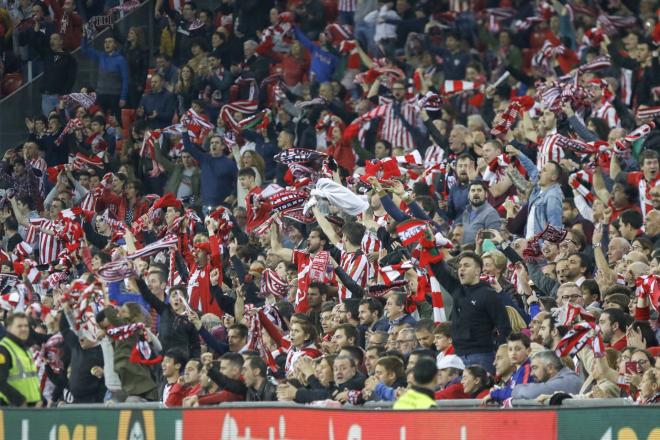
48, 103
483, 359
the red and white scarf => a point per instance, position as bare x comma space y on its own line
73, 124
497, 168
649, 286
582, 183
581, 335
158, 246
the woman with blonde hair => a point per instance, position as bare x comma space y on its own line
495, 263
517, 322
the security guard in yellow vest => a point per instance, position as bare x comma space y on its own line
421, 393
19, 383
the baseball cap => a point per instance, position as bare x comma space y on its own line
451, 361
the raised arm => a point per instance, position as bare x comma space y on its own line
599, 186
195, 152
326, 226
276, 245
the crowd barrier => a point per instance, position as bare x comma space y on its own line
274, 421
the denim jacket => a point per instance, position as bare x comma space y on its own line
547, 206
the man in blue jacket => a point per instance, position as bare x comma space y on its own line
324, 62
218, 171
112, 77
158, 106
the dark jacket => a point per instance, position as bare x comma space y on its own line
218, 174
175, 331
267, 392
60, 69
163, 103
315, 391
85, 387
478, 312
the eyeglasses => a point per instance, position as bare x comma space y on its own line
405, 341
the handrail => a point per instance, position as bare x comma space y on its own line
463, 404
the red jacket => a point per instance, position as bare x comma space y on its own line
199, 285
220, 396
178, 392
453, 391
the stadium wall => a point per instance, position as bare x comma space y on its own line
279, 423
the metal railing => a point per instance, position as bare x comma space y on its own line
26, 101
442, 404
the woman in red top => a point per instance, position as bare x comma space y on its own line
339, 148
293, 66
476, 382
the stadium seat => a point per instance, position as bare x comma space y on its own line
127, 119
11, 82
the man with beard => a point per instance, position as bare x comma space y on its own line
316, 242
316, 297
370, 314
479, 214
457, 200
548, 333
613, 323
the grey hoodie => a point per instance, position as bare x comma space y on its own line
565, 381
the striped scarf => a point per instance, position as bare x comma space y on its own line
86, 100
648, 286
393, 272
644, 112
581, 183
319, 265
272, 284
141, 352
117, 270
497, 167
247, 107
147, 151
255, 331
503, 121
87, 300
197, 127
73, 124
152, 249
123, 332
581, 335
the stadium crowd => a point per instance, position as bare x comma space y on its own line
336, 202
